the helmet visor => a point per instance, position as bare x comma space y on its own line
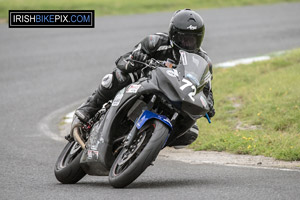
187, 41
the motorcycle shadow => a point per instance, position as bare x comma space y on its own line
168, 183
151, 184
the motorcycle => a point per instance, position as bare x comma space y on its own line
127, 134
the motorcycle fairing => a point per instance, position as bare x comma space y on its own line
172, 88
98, 157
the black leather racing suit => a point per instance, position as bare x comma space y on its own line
156, 46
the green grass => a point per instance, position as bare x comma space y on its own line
116, 7
258, 109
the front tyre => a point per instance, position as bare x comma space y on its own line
131, 162
67, 168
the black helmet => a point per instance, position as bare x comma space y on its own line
186, 30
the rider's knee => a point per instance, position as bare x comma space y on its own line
123, 78
107, 81
114, 81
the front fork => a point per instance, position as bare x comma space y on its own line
133, 132
143, 118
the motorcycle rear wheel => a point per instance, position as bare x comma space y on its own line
67, 168
132, 162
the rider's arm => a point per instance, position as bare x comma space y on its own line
209, 95
147, 47
208, 89
204, 55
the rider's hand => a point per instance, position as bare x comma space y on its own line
136, 56
211, 113
139, 56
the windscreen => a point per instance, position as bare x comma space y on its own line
195, 68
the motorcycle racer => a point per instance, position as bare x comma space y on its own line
186, 32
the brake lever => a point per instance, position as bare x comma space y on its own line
136, 61
152, 64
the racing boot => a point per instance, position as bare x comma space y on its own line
187, 138
88, 109
109, 87
94, 103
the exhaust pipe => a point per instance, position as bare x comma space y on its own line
77, 137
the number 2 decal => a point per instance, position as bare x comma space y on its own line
189, 84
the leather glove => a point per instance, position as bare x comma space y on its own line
211, 113
138, 56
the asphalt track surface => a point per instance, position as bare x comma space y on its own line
43, 70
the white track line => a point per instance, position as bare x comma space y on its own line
69, 117
43, 125
243, 61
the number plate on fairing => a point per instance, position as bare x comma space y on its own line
118, 97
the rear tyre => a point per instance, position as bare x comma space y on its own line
67, 168
131, 162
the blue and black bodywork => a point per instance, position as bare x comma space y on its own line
172, 96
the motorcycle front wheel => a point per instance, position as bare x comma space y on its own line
131, 162
67, 168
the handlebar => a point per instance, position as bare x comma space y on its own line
151, 63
